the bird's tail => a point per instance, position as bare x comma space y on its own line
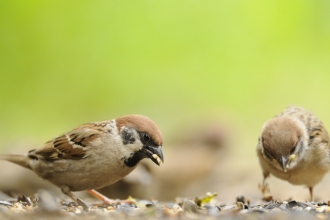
21, 160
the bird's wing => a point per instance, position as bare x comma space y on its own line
315, 128
71, 145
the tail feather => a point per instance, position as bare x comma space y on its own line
21, 160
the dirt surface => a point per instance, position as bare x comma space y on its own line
170, 191
44, 205
237, 197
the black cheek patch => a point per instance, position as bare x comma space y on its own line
134, 158
128, 136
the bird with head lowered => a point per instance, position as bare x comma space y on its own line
294, 146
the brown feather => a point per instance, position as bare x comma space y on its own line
71, 145
280, 136
141, 124
315, 128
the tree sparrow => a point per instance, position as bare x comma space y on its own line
294, 146
94, 155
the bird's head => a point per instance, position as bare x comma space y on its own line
283, 142
141, 138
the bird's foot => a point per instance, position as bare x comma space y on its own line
105, 200
264, 188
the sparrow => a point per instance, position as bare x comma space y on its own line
94, 155
294, 146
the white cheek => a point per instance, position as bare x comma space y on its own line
292, 164
136, 146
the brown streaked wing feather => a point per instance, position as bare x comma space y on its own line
71, 145
292, 110
316, 131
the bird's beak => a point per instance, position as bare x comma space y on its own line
283, 162
155, 154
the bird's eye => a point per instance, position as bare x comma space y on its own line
146, 137
292, 150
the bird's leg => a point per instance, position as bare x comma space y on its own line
311, 192
105, 199
67, 191
264, 187
100, 196
94, 193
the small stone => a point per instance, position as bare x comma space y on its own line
146, 203
80, 207
244, 211
5, 203
212, 210
78, 211
228, 207
321, 209
47, 202
292, 204
267, 198
276, 210
308, 208
259, 210
176, 208
189, 206
298, 208
272, 205
170, 205
283, 207
85, 206
321, 203
24, 200
240, 205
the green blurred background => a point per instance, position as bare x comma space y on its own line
64, 63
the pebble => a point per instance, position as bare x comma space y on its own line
146, 203
276, 210
84, 205
47, 202
186, 209
190, 206
5, 203
284, 207
211, 210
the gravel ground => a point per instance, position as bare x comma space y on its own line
44, 205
